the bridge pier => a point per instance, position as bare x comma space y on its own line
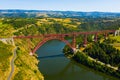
85, 40
74, 42
105, 35
96, 37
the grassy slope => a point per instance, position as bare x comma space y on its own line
5, 56
116, 45
117, 38
26, 65
67, 21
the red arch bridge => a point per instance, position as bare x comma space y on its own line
61, 37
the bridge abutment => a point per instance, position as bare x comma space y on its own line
8, 41
117, 33
85, 40
31, 53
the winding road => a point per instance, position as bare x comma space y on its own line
12, 64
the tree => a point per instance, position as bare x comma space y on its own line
6, 30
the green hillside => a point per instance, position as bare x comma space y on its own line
26, 66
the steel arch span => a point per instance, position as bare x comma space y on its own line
48, 39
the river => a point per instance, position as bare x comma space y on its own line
55, 66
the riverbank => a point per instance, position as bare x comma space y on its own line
100, 56
55, 66
84, 59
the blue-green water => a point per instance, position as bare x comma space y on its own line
55, 66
